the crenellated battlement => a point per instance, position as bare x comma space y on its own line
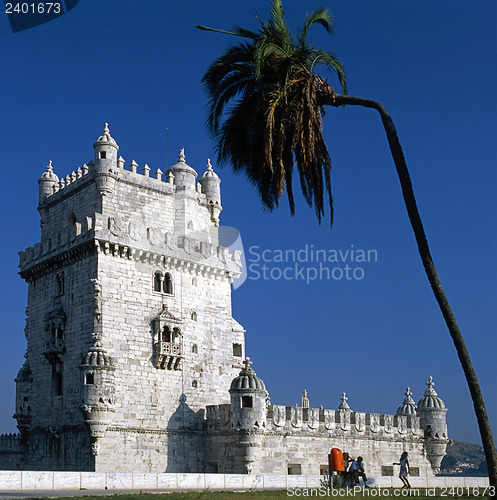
295, 419
10, 443
298, 419
129, 241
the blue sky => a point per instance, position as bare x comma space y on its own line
432, 64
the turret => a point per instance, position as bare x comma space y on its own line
211, 187
24, 382
432, 413
183, 175
46, 183
248, 412
105, 163
408, 406
97, 381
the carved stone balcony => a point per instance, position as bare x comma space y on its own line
168, 355
54, 349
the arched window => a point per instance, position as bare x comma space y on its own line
194, 316
168, 284
195, 384
166, 334
176, 335
57, 379
60, 283
194, 349
157, 281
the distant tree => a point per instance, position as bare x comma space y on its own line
266, 108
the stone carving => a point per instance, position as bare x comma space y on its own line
222, 254
344, 419
134, 231
95, 449
170, 241
153, 235
329, 419
360, 421
296, 416
374, 422
206, 249
115, 226
279, 416
97, 297
402, 424
389, 424
187, 244
313, 418
414, 425
237, 257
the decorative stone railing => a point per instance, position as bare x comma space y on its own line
314, 419
54, 348
168, 355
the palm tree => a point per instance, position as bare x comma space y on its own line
266, 108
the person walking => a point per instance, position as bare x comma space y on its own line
404, 470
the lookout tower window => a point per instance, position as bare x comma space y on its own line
166, 334
57, 379
157, 281
247, 402
168, 284
60, 283
90, 379
103, 155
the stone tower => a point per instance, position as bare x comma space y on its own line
129, 329
431, 411
249, 400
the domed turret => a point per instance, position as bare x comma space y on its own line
97, 357
46, 182
432, 414
184, 175
97, 370
248, 412
408, 406
105, 162
211, 187
24, 382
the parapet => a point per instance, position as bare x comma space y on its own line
297, 419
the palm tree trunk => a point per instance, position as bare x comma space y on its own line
424, 251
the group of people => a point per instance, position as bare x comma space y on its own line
354, 469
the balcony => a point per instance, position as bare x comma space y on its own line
54, 348
168, 355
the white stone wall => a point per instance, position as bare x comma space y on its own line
12, 481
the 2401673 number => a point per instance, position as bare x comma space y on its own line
33, 8
459, 491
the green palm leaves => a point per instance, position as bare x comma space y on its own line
265, 110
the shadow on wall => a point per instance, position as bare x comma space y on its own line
185, 441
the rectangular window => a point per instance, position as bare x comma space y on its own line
103, 155
246, 401
387, 470
294, 469
90, 379
237, 350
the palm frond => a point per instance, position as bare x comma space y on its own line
322, 17
265, 109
